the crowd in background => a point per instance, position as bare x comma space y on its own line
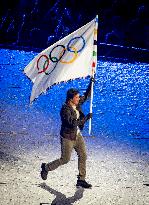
39, 23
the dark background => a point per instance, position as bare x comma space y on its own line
39, 23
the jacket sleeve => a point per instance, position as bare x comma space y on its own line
86, 95
68, 118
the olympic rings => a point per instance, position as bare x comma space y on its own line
44, 68
50, 71
56, 59
68, 46
65, 62
73, 59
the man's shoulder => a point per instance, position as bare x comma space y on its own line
65, 109
65, 106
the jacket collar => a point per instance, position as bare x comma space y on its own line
68, 105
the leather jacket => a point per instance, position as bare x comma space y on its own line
69, 118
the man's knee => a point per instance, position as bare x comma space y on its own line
64, 160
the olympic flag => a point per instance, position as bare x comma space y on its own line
70, 58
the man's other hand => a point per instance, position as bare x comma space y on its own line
88, 116
92, 79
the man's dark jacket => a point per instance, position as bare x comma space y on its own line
69, 117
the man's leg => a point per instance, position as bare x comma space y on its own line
82, 156
66, 150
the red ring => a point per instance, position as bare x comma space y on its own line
46, 66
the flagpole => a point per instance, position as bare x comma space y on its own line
93, 69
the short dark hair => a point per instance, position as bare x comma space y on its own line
71, 93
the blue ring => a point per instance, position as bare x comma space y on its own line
68, 46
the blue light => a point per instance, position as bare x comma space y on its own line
120, 105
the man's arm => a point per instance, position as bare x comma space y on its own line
71, 121
67, 118
87, 94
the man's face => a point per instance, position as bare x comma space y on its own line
76, 99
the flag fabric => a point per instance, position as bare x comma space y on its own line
69, 58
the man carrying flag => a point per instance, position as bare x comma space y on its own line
73, 120
74, 56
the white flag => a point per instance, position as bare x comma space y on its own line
69, 58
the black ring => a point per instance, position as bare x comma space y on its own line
56, 59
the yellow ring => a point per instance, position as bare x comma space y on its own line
73, 59
95, 31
